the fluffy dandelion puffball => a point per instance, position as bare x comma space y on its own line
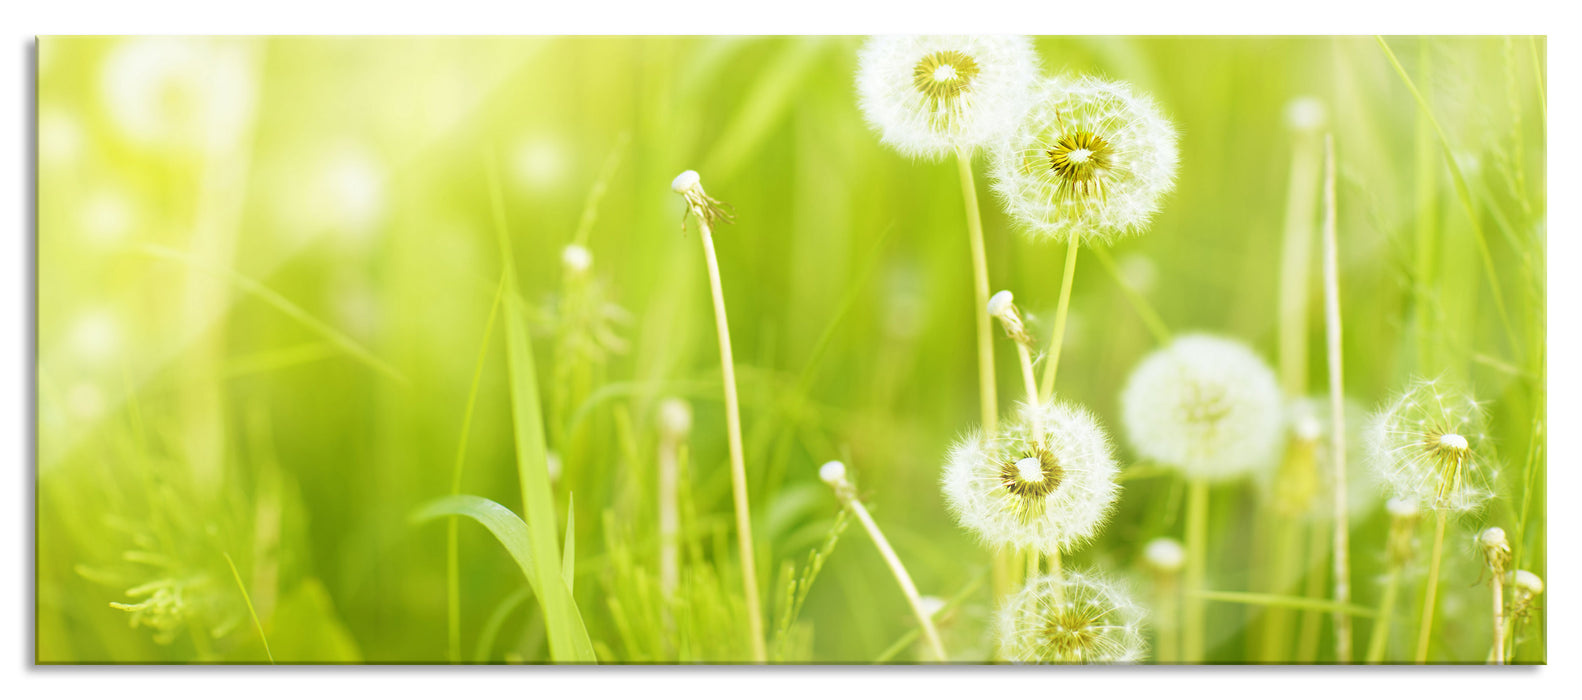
1206, 405
1429, 444
1090, 159
930, 95
1081, 619
1045, 481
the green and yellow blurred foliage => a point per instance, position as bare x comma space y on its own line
267, 265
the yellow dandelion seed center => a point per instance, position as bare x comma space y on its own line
1080, 160
1070, 633
1447, 453
943, 78
944, 73
1452, 441
1028, 477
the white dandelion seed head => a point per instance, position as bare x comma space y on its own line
576, 259
1046, 481
1164, 555
96, 336
1078, 619
1526, 582
930, 95
675, 419
1429, 444
832, 473
1090, 159
1305, 114
179, 92
1139, 272
1401, 507
1206, 405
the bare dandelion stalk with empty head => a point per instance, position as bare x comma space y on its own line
1497, 554
707, 211
834, 474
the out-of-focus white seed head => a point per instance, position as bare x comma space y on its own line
1077, 619
931, 605
1400, 507
684, 182
1139, 272
1526, 582
180, 93
1429, 444
675, 419
1045, 481
928, 96
1164, 555
1091, 159
552, 460
833, 473
1208, 406
1305, 114
576, 259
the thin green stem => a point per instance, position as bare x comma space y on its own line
1282, 601
1168, 627
1192, 622
1381, 621
1431, 590
733, 424
452, 557
1337, 416
1145, 311
980, 294
1058, 340
1499, 617
899, 570
250, 611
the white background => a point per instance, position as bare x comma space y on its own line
23, 19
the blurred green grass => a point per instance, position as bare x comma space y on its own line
181, 416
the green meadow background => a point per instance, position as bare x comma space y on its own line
262, 301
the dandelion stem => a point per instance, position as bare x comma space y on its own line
1499, 618
1381, 623
980, 291
1196, 539
1337, 416
1169, 631
1058, 339
1431, 591
452, 558
733, 424
1150, 317
1028, 382
907, 587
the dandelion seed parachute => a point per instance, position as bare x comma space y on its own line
1076, 619
1090, 159
1046, 481
930, 95
1429, 444
1206, 405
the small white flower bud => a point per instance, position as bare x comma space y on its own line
833, 473
1000, 303
675, 419
576, 259
1165, 555
1401, 507
685, 181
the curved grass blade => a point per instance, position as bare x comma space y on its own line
500, 521
250, 611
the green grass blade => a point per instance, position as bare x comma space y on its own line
1284, 601
499, 520
250, 611
568, 561
568, 638
281, 303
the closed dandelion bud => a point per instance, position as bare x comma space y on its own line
1002, 308
1080, 619
1403, 525
1046, 481
1090, 159
930, 95
1164, 555
1208, 406
1429, 444
1525, 582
